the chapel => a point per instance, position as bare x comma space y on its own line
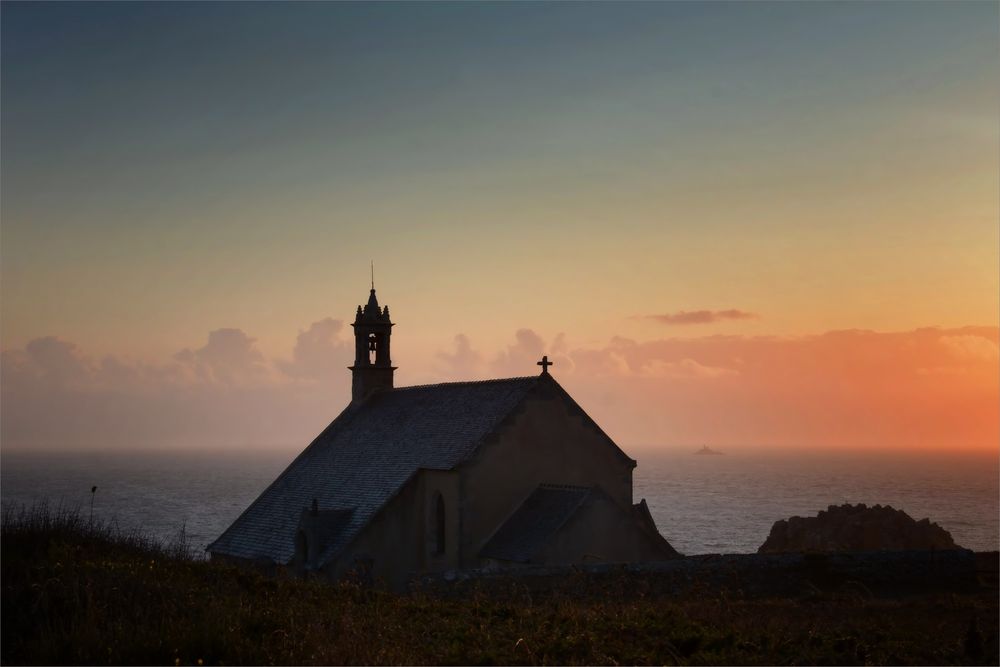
408, 481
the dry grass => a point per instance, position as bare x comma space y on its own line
89, 594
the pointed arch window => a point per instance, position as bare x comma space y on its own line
439, 525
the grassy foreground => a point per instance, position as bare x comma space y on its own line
80, 593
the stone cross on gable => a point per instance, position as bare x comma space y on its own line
545, 363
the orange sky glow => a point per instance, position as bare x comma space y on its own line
747, 226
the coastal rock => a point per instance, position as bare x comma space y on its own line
856, 528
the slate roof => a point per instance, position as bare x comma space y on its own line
363, 458
324, 526
532, 525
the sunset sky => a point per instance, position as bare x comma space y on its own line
742, 225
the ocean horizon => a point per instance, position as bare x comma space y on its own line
701, 504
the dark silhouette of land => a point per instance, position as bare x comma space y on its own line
856, 528
82, 592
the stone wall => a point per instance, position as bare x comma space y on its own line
866, 574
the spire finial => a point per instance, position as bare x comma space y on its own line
373, 274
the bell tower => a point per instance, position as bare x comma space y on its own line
372, 369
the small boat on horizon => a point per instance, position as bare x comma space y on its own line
708, 451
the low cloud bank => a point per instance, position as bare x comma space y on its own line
924, 388
702, 316
927, 388
223, 394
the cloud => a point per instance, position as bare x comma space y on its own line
686, 368
520, 358
57, 360
464, 362
702, 316
923, 388
559, 345
319, 353
622, 358
602, 363
223, 394
971, 347
228, 357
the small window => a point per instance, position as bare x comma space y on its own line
439, 529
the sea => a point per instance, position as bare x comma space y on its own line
701, 503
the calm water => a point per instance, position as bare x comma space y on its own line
701, 504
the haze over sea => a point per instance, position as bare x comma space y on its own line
701, 504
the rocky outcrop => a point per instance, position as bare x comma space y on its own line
856, 528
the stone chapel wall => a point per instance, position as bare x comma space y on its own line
544, 442
399, 543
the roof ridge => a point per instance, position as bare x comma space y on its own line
464, 382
